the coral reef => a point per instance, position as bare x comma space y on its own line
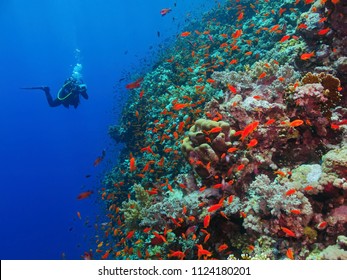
235, 144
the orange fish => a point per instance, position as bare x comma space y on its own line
215, 130
249, 129
84, 195
290, 192
302, 26
203, 252
130, 234
135, 84
290, 254
262, 75
306, 56
147, 229
237, 34
215, 207
185, 34
240, 17
288, 232
296, 123
211, 81
270, 121
295, 211
232, 149
100, 158
252, 143
308, 188
232, 88
284, 38
222, 247
132, 164
323, 31
179, 106
281, 11
322, 225
79, 215
207, 237
165, 11
105, 256
147, 149
240, 167
274, 28
177, 254
207, 221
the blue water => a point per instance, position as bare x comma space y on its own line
46, 152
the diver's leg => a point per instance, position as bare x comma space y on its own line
51, 102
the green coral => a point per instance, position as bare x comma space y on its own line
134, 209
310, 233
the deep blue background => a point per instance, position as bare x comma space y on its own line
46, 152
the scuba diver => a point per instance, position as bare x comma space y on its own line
69, 93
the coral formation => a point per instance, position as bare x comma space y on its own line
236, 142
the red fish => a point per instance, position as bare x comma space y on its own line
322, 32
237, 34
147, 149
270, 121
232, 149
179, 106
274, 28
177, 254
203, 252
307, 56
232, 88
240, 17
308, 188
290, 192
322, 225
249, 129
290, 254
296, 123
252, 143
215, 207
207, 221
132, 164
215, 130
130, 234
285, 38
185, 34
240, 167
262, 75
135, 84
222, 247
302, 26
165, 11
288, 232
84, 195
100, 158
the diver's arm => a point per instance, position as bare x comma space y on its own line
51, 102
84, 94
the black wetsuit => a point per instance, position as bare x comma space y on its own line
67, 95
